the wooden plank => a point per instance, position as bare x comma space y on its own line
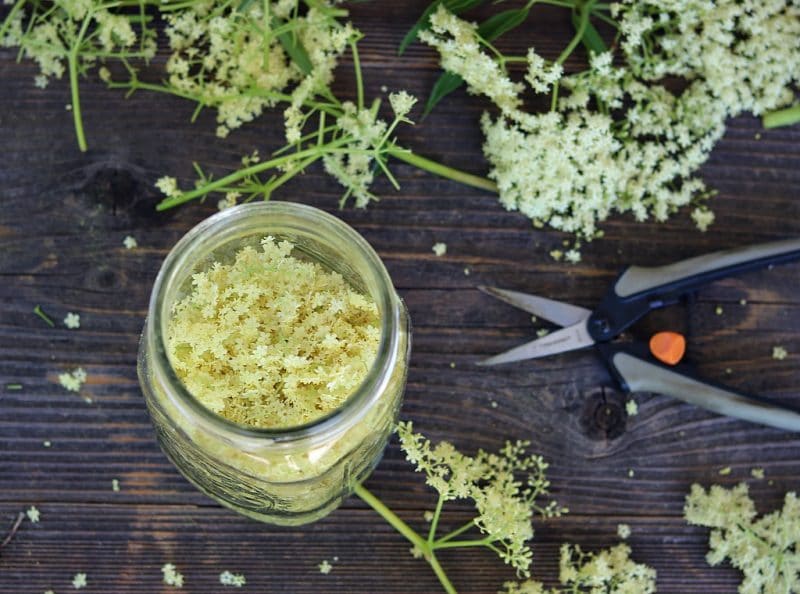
62, 222
122, 549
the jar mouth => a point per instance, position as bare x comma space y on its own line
283, 220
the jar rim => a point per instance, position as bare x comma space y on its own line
380, 371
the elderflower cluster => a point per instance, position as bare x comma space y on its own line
229, 59
610, 571
354, 168
743, 50
617, 140
766, 550
504, 502
72, 380
364, 137
270, 340
49, 31
227, 578
460, 48
171, 575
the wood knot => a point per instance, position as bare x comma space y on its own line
603, 415
119, 198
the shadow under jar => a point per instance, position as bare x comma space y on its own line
291, 475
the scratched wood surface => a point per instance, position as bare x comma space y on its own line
63, 216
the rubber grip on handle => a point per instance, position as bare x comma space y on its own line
703, 269
642, 376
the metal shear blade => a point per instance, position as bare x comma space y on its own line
558, 312
574, 336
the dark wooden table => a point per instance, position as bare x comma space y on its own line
63, 216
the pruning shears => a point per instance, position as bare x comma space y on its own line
654, 366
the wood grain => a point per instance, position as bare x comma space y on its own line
63, 218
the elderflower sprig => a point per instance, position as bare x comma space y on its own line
609, 571
505, 488
76, 36
241, 58
616, 139
766, 550
352, 149
349, 137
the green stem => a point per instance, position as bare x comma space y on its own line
10, 16
586, 9
271, 187
782, 117
442, 170
439, 571
72, 61
557, 3
359, 80
457, 544
246, 172
456, 532
390, 517
435, 522
404, 529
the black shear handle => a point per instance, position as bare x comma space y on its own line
693, 273
637, 374
639, 289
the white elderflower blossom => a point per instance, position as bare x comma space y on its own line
228, 201
72, 320
609, 570
354, 169
741, 49
618, 140
553, 168
504, 503
240, 56
541, 76
33, 514
79, 581
237, 580
763, 549
402, 103
49, 36
168, 186
459, 46
703, 218
72, 380
779, 353
171, 575
623, 531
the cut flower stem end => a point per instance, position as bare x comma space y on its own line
782, 117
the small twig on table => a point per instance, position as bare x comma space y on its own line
13, 530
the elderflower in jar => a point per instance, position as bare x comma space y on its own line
273, 359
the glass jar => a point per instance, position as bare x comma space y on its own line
285, 476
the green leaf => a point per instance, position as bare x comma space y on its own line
289, 41
490, 29
454, 6
502, 22
591, 38
296, 51
445, 84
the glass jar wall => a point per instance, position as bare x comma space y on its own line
284, 476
